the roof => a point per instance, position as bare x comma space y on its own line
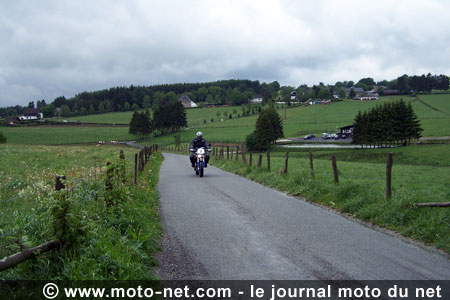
186, 101
346, 127
31, 111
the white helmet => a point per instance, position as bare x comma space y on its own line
199, 134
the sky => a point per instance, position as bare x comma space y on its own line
62, 48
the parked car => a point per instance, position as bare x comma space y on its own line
309, 136
325, 136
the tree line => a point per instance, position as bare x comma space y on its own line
230, 92
388, 124
167, 117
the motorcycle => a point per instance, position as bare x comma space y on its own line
200, 156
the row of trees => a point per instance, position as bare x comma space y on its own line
269, 128
167, 117
387, 124
231, 92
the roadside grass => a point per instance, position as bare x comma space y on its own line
106, 241
361, 189
58, 135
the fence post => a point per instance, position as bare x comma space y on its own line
268, 159
389, 176
335, 171
286, 163
228, 153
231, 155
123, 174
244, 156
135, 167
259, 160
250, 160
237, 153
311, 166
221, 153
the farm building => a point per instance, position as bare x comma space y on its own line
187, 102
31, 114
346, 129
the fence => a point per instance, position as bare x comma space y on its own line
141, 159
222, 151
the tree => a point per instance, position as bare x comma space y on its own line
141, 124
126, 106
352, 94
146, 103
268, 129
31, 104
65, 111
91, 109
325, 94
135, 107
48, 111
101, 108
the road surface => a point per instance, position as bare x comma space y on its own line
223, 226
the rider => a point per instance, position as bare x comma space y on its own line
196, 143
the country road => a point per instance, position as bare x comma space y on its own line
223, 226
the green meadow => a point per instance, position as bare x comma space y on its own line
59, 135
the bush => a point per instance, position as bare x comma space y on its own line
2, 138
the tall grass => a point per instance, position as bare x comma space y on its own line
361, 191
110, 234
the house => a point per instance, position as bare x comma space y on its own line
31, 114
187, 102
257, 99
347, 130
367, 96
358, 91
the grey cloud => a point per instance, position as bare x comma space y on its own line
54, 48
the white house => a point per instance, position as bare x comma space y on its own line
187, 102
31, 114
257, 99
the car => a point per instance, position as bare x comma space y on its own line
325, 136
309, 136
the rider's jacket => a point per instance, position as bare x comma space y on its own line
197, 143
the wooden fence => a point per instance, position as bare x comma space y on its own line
220, 151
141, 159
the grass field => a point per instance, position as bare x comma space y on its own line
195, 116
58, 135
300, 121
433, 112
105, 242
420, 174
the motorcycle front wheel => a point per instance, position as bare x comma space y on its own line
200, 169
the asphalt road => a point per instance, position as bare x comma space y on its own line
223, 226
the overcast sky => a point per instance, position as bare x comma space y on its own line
55, 48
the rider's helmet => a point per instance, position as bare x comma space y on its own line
199, 134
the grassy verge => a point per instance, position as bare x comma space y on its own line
361, 189
108, 233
